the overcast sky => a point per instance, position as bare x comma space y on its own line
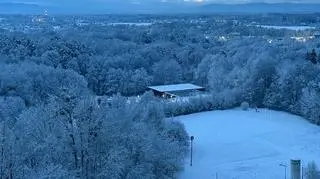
60, 2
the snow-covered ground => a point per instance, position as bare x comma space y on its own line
236, 144
297, 28
131, 23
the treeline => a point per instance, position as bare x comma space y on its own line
123, 62
278, 76
126, 59
275, 76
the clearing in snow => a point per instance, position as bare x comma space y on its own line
296, 28
236, 144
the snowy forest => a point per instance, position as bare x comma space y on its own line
67, 83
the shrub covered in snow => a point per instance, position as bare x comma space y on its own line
244, 106
199, 104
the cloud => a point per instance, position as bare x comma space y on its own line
110, 2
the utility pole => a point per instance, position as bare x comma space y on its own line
191, 138
285, 170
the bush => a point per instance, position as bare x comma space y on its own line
199, 103
245, 106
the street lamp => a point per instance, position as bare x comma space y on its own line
191, 138
285, 170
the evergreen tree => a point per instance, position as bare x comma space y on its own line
312, 56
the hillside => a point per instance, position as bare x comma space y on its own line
248, 144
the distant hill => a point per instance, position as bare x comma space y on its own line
20, 8
260, 8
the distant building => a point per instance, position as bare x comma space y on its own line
176, 90
38, 19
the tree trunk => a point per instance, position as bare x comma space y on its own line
2, 152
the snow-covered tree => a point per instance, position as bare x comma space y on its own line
312, 171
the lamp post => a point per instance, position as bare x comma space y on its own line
191, 138
285, 170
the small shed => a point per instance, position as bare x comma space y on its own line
175, 90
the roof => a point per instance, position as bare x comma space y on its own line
175, 87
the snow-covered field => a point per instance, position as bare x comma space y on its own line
297, 28
131, 23
236, 144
